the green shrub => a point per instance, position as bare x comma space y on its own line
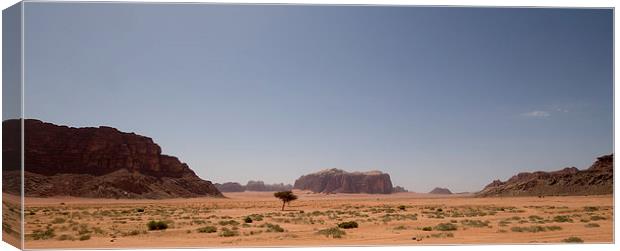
229, 222
85, 237
442, 235
43, 234
590, 209
348, 224
427, 229
65, 237
334, 232
140, 210
573, 239
535, 218
157, 225
535, 229
273, 227
225, 232
207, 229
58, 221
597, 217
247, 219
475, 223
562, 218
445, 227
402, 207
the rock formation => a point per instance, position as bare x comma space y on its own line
399, 189
598, 179
339, 181
230, 187
98, 162
252, 186
440, 190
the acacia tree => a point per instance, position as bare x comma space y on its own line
285, 197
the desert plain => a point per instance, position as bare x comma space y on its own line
255, 219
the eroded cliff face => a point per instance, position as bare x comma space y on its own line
598, 179
100, 162
339, 181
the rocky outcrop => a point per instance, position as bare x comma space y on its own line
440, 190
230, 187
100, 162
598, 179
252, 186
339, 181
399, 189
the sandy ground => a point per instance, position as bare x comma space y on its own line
383, 220
11, 219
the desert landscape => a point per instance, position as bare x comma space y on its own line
255, 219
133, 196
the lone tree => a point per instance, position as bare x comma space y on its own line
285, 197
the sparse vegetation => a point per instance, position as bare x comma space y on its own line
273, 227
247, 219
334, 232
590, 225
475, 223
229, 222
225, 232
43, 234
535, 229
445, 227
348, 224
590, 209
156, 225
562, 218
427, 229
65, 237
58, 221
207, 229
573, 239
442, 235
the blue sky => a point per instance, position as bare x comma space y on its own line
450, 97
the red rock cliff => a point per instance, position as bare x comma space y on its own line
100, 162
339, 181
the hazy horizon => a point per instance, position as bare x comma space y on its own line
435, 96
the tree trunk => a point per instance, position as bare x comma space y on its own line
283, 205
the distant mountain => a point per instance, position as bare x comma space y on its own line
440, 190
340, 181
252, 186
230, 187
98, 162
598, 179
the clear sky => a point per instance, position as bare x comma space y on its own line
450, 97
